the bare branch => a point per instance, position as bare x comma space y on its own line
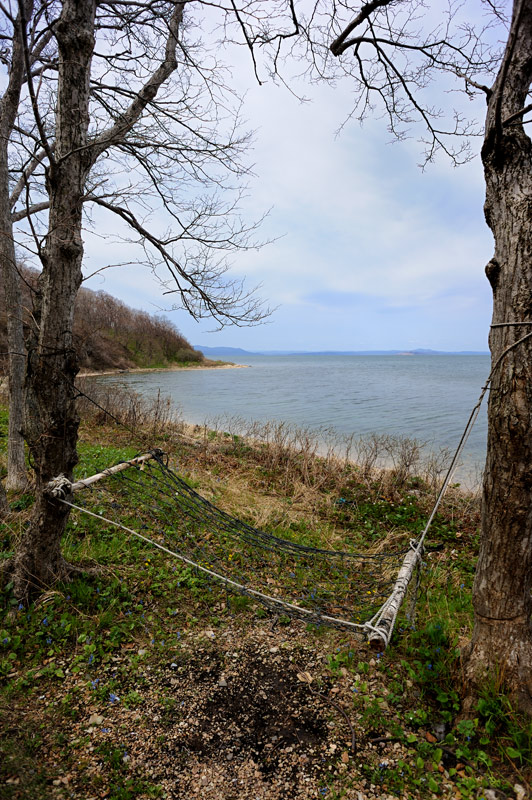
24, 213
31, 90
125, 123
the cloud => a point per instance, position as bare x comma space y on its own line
357, 228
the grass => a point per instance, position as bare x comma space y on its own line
86, 671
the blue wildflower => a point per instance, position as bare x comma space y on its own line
45, 621
113, 698
48, 640
91, 658
6, 640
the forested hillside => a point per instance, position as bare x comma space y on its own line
110, 335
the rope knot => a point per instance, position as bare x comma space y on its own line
60, 487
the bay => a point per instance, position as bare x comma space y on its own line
425, 397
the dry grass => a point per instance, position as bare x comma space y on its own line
294, 471
103, 404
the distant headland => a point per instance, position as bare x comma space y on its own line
238, 351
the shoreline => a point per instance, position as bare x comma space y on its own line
134, 370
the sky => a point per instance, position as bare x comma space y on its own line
368, 251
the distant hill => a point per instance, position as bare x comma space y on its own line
109, 335
222, 351
238, 351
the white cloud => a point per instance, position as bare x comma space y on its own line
355, 215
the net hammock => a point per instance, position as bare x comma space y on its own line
149, 500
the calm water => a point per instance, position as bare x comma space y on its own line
424, 397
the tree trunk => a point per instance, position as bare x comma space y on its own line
3, 501
501, 646
16, 468
51, 421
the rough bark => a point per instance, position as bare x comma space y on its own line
3, 501
16, 468
501, 646
50, 420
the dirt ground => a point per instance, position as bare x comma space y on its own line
228, 714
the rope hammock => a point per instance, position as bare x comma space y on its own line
342, 589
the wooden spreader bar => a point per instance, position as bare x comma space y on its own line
61, 485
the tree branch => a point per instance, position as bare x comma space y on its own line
127, 120
340, 44
33, 98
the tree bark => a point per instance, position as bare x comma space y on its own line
3, 501
16, 468
501, 646
50, 420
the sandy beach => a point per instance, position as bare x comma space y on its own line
208, 365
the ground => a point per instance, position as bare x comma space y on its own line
142, 680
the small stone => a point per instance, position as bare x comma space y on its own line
95, 719
222, 682
491, 794
520, 792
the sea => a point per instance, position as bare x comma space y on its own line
424, 397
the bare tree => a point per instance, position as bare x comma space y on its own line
14, 34
397, 54
123, 93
